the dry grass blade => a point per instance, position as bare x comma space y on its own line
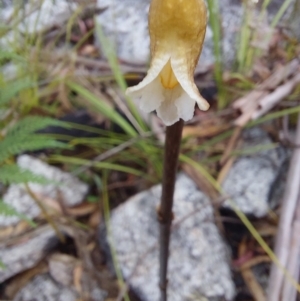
255, 261
251, 104
284, 235
249, 278
45, 213
231, 144
269, 101
200, 180
254, 287
13, 287
293, 265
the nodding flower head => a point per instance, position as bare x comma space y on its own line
177, 30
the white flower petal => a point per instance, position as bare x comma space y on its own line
185, 106
157, 65
152, 96
185, 78
168, 111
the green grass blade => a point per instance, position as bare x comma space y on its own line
106, 209
103, 108
215, 23
244, 40
113, 62
281, 12
274, 115
99, 165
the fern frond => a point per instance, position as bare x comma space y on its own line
14, 174
8, 210
22, 137
12, 145
13, 88
7, 55
31, 124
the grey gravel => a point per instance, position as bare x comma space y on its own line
69, 190
199, 259
250, 182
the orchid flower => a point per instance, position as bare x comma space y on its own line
177, 30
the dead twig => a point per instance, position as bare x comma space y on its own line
269, 101
231, 144
262, 99
249, 278
253, 285
293, 266
284, 238
45, 213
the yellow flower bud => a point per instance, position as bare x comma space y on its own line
177, 30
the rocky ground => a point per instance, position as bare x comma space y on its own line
66, 244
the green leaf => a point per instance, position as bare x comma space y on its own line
111, 56
13, 88
11, 146
100, 165
22, 137
8, 210
31, 124
103, 108
14, 174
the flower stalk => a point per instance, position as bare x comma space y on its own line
177, 30
165, 214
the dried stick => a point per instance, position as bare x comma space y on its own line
272, 99
165, 215
289, 292
250, 105
284, 235
45, 213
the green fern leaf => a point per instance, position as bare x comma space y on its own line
13, 88
8, 210
12, 146
22, 137
7, 55
14, 174
31, 124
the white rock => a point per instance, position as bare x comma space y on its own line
43, 287
251, 177
39, 16
198, 259
26, 253
69, 190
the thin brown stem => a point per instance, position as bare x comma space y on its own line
165, 215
